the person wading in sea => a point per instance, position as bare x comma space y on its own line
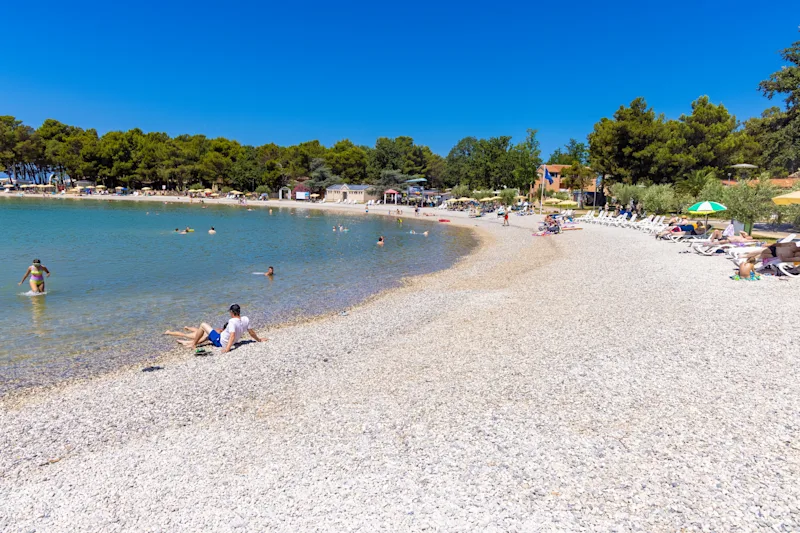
36, 271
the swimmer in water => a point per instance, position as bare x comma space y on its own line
270, 272
334, 228
270, 210
212, 231
380, 241
36, 271
425, 233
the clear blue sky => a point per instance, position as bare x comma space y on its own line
287, 72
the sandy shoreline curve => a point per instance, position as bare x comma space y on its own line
595, 380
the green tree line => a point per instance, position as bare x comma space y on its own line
135, 158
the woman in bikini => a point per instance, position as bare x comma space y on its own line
37, 271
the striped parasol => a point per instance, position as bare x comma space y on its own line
706, 208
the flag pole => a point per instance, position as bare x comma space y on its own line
541, 193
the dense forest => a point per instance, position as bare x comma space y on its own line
635, 146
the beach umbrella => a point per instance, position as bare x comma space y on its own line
101, 186
119, 188
207, 190
552, 201
788, 198
743, 165
520, 197
234, 192
567, 203
215, 195
315, 195
706, 208
147, 189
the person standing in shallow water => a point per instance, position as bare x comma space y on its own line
36, 271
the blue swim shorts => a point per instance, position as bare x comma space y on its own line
214, 338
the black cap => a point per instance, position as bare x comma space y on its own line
235, 309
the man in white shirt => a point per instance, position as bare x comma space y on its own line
224, 338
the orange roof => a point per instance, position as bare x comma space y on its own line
784, 183
781, 183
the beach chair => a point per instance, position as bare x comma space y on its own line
630, 222
598, 218
641, 223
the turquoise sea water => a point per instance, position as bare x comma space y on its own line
121, 276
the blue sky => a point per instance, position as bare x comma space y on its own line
289, 72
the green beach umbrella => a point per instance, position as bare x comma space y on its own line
706, 208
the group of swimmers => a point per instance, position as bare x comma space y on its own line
178, 231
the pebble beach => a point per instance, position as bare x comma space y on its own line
596, 380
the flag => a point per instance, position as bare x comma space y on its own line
547, 176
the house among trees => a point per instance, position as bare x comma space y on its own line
563, 182
359, 193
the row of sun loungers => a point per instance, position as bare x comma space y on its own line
737, 252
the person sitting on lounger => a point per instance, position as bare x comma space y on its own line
784, 251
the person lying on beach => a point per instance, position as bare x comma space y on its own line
681, 229
718, 237
223, 338
785, 250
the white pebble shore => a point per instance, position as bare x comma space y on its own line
592, 381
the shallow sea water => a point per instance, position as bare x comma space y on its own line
121, 276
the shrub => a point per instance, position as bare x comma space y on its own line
750, 201
508, 196
262, 189
659, 199
196, 187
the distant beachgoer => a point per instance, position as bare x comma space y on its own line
505, 219
36, 271
270, 210
380, 240
400, 221
425, 233
270, 272
366, 209
212, 231
223, 338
